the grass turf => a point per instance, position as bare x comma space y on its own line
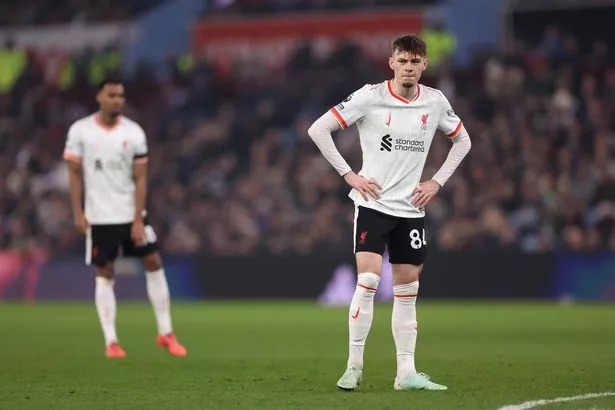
278, 355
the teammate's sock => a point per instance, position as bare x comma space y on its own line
106, 308
404, 326
360, 316
158, 292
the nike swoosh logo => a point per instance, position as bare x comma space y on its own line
388, 121
356, 314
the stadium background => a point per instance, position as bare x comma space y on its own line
245, 207
226, 90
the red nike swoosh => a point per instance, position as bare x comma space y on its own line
388, 121
356, 315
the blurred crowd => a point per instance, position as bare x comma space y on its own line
283, 6
40, 12
233, 172
46, 12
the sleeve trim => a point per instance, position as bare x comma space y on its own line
456, 130
338, 117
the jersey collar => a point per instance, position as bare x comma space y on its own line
103, 126
399, 97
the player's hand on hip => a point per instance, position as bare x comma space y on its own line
368, 188
137, 233
423, 193
81, 223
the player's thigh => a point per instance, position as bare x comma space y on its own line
103, 243
148, 252
369, 262
370, 234
405, 273
406, 243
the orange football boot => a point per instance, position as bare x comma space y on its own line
115, 351
170, 342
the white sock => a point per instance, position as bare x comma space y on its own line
158, 292
360, 316
106, 308
404, 326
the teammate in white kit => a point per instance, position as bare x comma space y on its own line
107, 158
396, 120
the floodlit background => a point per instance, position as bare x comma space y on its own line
245, 207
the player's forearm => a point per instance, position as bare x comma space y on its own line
320, 132
75, 184
461, 147
140, 194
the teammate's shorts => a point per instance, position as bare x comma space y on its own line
403, 237
104, 242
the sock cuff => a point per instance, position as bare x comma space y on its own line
368, 280
157, 272
104, 281
406, 290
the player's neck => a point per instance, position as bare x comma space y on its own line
407, 92
107, 120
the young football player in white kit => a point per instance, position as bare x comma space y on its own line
396, 120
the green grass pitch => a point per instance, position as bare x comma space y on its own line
289, 355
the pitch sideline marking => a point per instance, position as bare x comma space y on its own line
535, 403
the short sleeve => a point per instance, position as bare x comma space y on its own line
140, 145
449, 122
73, 150
353, 108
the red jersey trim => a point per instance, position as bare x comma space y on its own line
456, 130
338, 117
399, 97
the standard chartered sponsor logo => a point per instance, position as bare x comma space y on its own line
409, 145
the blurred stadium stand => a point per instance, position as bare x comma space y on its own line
234, 173
283, 6
39, 12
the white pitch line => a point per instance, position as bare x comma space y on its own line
535, 403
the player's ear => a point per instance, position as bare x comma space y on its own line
98, 97
425, 63
391, 62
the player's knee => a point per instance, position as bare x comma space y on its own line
368, 280
106, 271
152, 262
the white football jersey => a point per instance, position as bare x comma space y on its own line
395, 135
107, 156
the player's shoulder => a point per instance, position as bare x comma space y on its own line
373, 89
433, 94
88, 119
131, 125
370, 92
83, 123
129, 122
363, 97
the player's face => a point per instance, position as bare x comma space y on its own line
111, 99
407, 67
